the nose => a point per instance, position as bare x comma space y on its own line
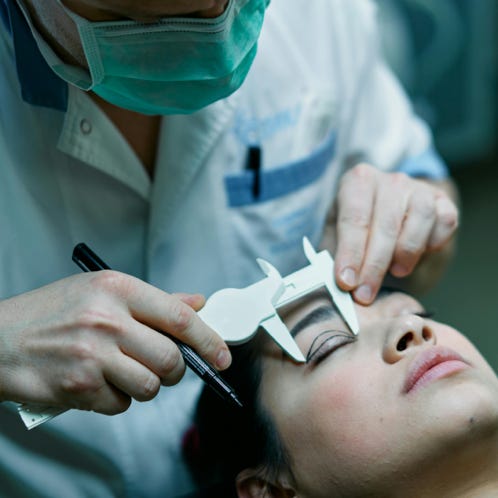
406, 333
216, 9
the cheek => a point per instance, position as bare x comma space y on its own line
449, 337
339, 424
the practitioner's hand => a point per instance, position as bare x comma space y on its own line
385, 223
90, 342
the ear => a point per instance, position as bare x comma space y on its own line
252, 483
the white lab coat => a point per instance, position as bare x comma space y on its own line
317, 98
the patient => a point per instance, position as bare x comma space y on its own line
408, 408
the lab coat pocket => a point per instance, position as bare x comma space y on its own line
272, 209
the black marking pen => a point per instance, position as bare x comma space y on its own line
87, 260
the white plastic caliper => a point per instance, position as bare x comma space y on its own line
236, 314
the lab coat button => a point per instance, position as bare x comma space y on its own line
85, 126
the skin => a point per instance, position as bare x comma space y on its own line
80, 374
389, 223
91, 342
352, 430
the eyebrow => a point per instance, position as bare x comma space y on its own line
318, 315
387, 290
328, 311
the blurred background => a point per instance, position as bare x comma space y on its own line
445, 52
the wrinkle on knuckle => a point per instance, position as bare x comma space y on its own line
83, 352
169, 362
106, 279
81, 382
389, 226
113, 282
408, 250
182, 317
425, 208
209, 343
352, 254
376, 268
96, 318
355, 216
398, 179
150, 388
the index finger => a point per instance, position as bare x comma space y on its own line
356, 199
169, 314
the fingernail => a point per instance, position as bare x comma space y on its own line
348, 276
223, 359
363, 293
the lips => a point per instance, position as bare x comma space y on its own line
432, 364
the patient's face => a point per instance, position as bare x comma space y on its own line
372, 409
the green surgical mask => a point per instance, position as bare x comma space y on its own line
174, 66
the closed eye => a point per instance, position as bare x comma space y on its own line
326, 343
425, 314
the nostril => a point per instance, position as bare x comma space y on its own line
404, 341
427, 334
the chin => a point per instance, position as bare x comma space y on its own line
465, 409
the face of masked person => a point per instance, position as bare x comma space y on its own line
170, 60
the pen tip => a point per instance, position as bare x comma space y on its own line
237, 400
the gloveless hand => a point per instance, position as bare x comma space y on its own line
91, 342
385, 223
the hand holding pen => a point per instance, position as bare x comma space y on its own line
87, 260
90, 341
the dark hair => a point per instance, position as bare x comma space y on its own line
226, 439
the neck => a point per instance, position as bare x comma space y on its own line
472, 473
139, 130
57, 28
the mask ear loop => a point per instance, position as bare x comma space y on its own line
89, 44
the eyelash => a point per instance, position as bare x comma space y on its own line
426, 314
326, 347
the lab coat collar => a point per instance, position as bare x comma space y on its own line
40, 86
89, 136
4, 15
186, 141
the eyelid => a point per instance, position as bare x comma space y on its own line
425, 314
346, 336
